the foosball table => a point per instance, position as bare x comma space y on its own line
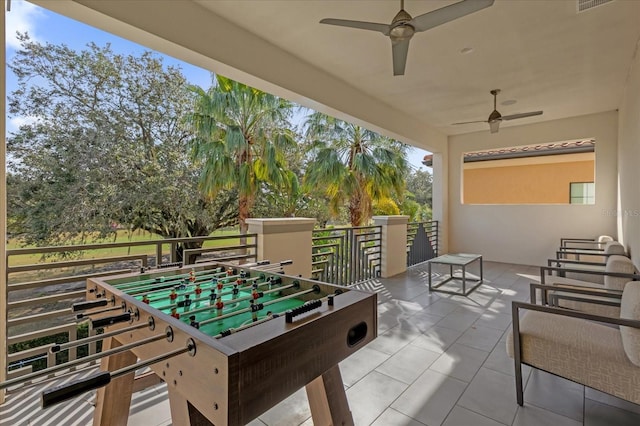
229, 341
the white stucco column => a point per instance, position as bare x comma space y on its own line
394, 244
285, 239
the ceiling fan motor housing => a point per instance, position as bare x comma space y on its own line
400, 27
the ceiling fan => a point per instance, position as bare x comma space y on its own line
403, 26
495, 117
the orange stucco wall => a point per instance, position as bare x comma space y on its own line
539, 180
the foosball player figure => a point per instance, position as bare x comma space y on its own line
183, 284
198, 292
243, 274
173, 295
212, 295
235, 291
219, 304
193, 322
145, 299
229, 271
192, 276
254, 293
254, 310
220, 286
187, 302
174, 313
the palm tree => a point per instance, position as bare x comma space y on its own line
353, 165
240, 134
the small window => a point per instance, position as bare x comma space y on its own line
582, 193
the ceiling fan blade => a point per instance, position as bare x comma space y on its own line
448, 13
494, 126
371, 26
469, 122
400, 50
521, 115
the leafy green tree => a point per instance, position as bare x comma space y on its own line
103, 146
353, 165
240, 136
419, 183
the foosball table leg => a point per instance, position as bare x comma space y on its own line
114, 400
183, 413
328, 400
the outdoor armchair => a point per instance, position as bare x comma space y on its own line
584, 348
578, 269
618, 272
586, 243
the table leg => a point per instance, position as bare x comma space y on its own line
328, 401
481, 274
464, 280
429, 273
114, 400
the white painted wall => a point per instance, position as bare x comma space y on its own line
530, 234
629, 162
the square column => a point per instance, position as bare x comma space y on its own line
285, 239
394, 244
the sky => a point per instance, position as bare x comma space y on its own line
43, 25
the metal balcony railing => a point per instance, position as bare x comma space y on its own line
422, 241
346, 256
40, 292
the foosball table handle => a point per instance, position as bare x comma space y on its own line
62, 393
106, 321
308, 306
83, 306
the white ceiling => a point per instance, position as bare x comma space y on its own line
541, 53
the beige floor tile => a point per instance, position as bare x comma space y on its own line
491, 394
437, 339
393, 417
460, 416
371, 396
530, 415
460, 362
430, 398
408, 363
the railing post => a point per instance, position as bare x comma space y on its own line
394, 244
285, 239
3, 225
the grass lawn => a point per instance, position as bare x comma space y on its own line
122, 237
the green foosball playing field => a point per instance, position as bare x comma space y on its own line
215, 301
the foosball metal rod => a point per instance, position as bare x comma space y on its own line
169, 284
178, 277
36, 374
62, 393
79, 342
239, 299
270, 302
230, 331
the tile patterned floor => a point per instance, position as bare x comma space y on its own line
438, 360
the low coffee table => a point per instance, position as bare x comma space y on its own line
456, 259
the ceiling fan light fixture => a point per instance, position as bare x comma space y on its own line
401, 32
